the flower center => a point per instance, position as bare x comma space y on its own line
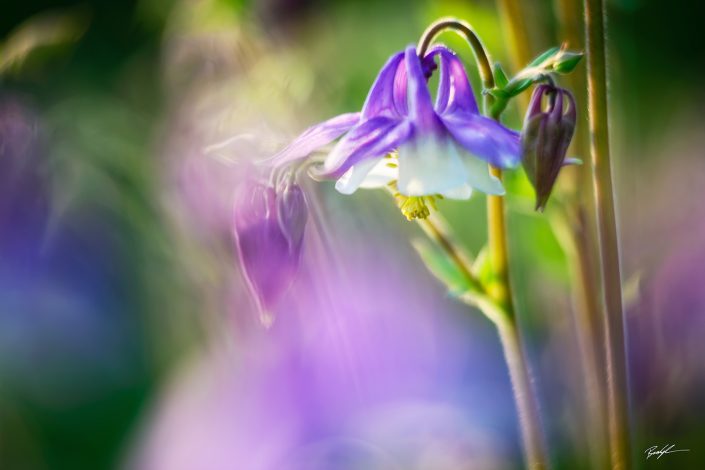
414, 207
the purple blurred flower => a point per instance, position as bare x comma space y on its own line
356, 375
545, 138
269, 227
441, 149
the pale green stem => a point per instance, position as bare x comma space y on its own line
499, 292
582, 252
575, 230
615, 352
586, 313
436, 229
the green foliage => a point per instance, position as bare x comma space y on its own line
442, 267
554, 60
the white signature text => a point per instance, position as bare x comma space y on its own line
667, 449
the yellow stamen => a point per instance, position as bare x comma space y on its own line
414, 207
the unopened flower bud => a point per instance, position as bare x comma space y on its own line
545, 138
291, 214
269, 227
566, 61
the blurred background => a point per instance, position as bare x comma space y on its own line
128, 338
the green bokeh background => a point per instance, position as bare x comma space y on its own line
104, 102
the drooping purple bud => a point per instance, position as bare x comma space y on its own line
291, 214
548, 129
269, 227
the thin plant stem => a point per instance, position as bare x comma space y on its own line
498, 303
615, 351
517, 32
574, 227
586, 317
436, 229
500, 292
580, 246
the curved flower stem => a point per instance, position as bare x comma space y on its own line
615, 351
497, 304
465, 30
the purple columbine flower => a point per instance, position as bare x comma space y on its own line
546, 136
269, 228
401, 136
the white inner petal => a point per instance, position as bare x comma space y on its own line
358, 175
461, 192
385, 171
479, 177
430, 166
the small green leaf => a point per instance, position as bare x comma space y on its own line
544, 56
481, 268
517, 86
499, 93
442, 268
500, 77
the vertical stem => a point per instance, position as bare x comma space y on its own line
586, 307
499, 290
527, 409
500, 304
580, 246
615, 352
517, 32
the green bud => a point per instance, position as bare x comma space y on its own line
500, 78
566, 61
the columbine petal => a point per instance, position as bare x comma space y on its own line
357, 175
372, 138
479, 177
454, 90
429, 166
382, 173
461, 192
381, 98
314, 138
485, 138
421, 111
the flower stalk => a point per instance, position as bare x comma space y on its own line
498, 304
574, 226
615, 350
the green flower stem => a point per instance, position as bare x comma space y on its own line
499, 290
574, 226
607, 234
502, 315
436, 229
516, 30
466, 31
497, 304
